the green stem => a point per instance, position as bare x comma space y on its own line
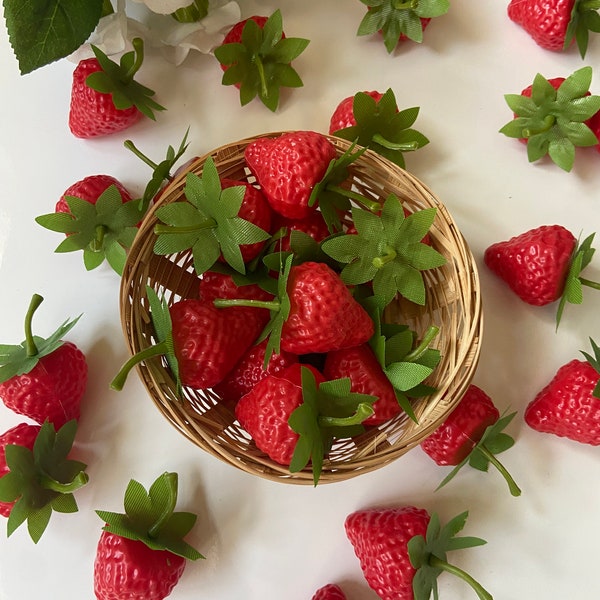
98, 242
264, 90
512, 486
195, 11
131, 146
30, 347
401, 146
416, 354
161, 229
370, 205
49, 483
138, 49
389, 256
483, 594
228, 302
411, 4
169, 507
159, 349
593, 284
549, 121
363, 411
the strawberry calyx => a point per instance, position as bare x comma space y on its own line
150, 517
584, 18
207, 222
396, 18
405, 360
573, 288
42, 480
260, 63
594, 360
196, 10
428, 555
383, 128
22, 358
103, 230
387, 250
164, 346
118, 80
492, 442
328, 411
552, 120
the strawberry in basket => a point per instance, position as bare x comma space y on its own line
43, 378
331, 591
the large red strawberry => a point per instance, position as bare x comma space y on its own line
141, 554
331, 591
44, 379
394, 544
543, 265
472, 433
215, 285
105, 98
556, 24
23, 435
569, 406
90, 188
37, 476
287, 168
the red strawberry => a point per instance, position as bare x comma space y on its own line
367, 377
343, 115
555, 24
569, 406
89, 189
287, 168
314, 225
250, 370
120, 103
382, 539
220, 285
255, 209
331, 591
141, 555
542, 265
594, 125
24, 435
234, 36
44, 379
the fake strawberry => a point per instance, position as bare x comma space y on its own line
594, 125
313, 225
256, 57
331, 591
569, 406
43, 379
99, 218
399, 21
39, 477
214, 284
402, 550
208, 221
556, 24
24, 435
553, 117
472, 433
294, 416
287, 168
543, 265
373, 120
142, 553
105, 98
200, 342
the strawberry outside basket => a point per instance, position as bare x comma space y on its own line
453, 304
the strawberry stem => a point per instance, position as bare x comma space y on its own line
30, 347
549, 122
401, 146
131, 146
512, 485
160, 229
264, 90
138, 48
98, 241
363, 410
371, 205
593, 284
416, 354
49, 483
389, 256
228, 302
436, 562
168, 508
159, 349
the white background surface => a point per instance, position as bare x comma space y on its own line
270, 540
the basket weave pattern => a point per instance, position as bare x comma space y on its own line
453, 304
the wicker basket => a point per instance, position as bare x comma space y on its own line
454, 304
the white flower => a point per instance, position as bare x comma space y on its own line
164, 7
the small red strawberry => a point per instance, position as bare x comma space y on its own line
256, 57
331, 591
43, 379
313, 225
98, 217
141, 554
556, 24
403, 550
471, 433
36, 475
594, 125
105, 98
343, 115
569, 406
294, 416
215, 285
23, 435
543, 265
